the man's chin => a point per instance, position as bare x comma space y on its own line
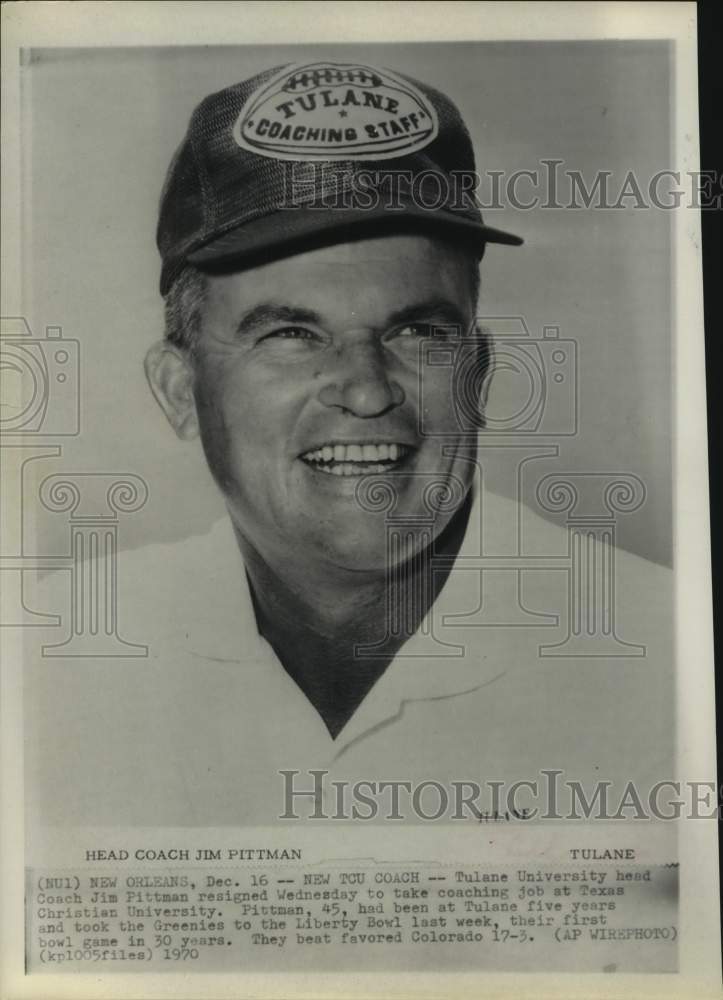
376, 553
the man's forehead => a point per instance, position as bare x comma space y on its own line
376, 276
378, 259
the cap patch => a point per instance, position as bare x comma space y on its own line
335, 111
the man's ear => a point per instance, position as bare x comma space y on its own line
170, 376
486, 360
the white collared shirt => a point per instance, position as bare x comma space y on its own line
197, 732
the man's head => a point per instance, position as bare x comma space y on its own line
294, 335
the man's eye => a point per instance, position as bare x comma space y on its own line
291, 333
416, 330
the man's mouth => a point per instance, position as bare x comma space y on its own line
356, 459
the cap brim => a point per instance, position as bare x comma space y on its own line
290, 231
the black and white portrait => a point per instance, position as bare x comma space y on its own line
353, 540
411, 516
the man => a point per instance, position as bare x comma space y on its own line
319, 242
302, 372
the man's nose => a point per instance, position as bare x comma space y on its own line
359, 380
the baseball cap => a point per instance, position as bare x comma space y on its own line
316, 152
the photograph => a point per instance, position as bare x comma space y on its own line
342, 439
383, 487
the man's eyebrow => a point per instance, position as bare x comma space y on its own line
271, 312
443, 310
446, 312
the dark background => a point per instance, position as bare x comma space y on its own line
710, 38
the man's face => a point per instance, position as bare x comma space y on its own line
307, 377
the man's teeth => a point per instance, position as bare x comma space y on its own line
355, 459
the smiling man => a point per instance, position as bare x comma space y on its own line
304, 378
297, 309
357, 615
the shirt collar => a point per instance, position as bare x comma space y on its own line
438, 661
